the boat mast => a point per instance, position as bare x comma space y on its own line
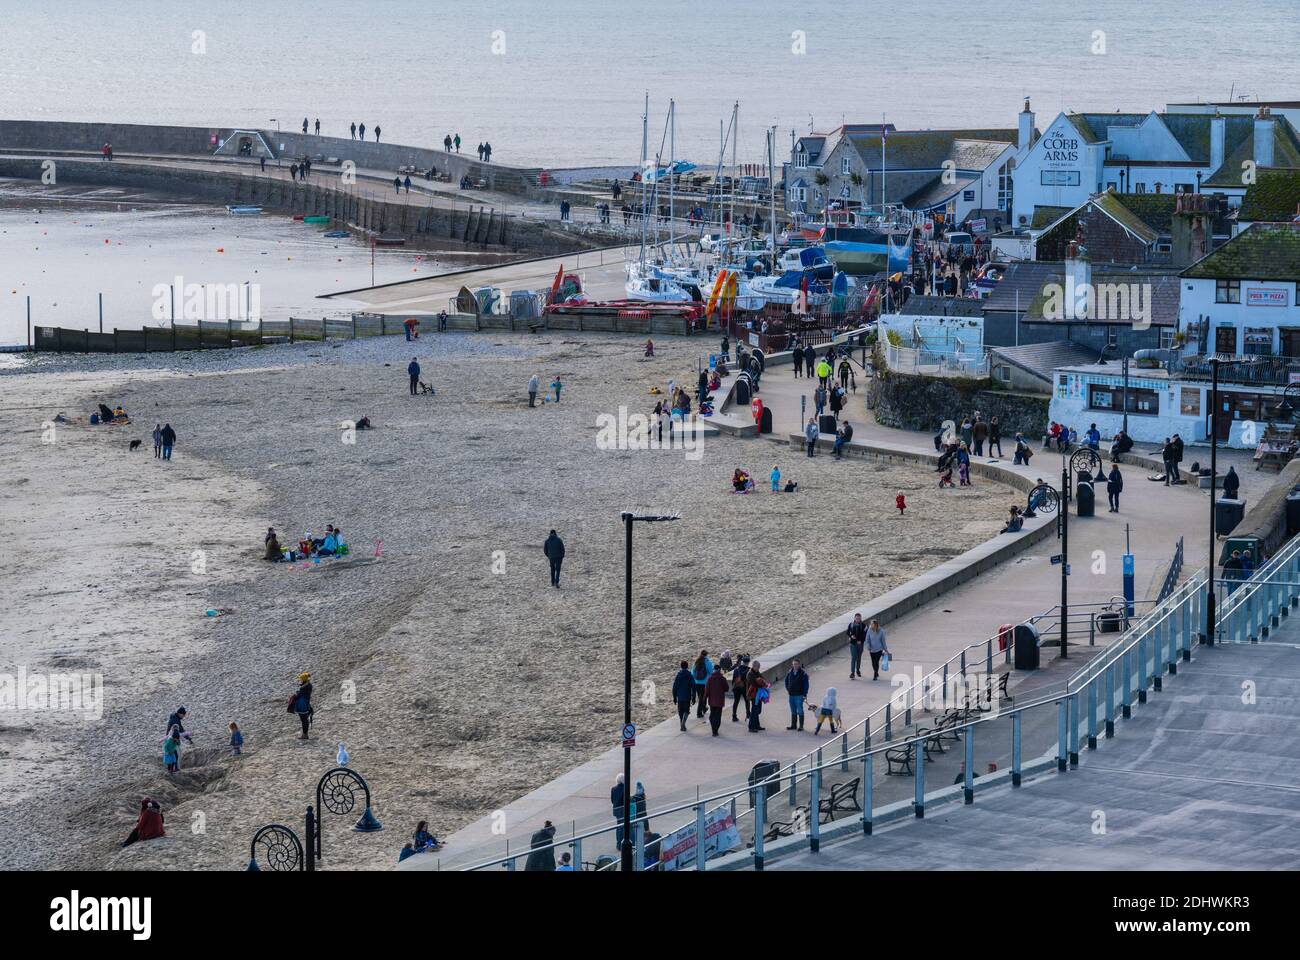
645, 150
771, 186
672, 163
735, 135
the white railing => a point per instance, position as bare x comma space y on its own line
922, 362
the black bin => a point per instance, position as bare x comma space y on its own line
1292, 512
1228, 513
1085, 499
827, 424
761, 771
1026, 647
765, 421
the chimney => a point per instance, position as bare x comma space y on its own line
1190, 229
1264, 138
1078, 283
1026, 128
1218, 130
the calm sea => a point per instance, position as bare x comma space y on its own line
561, 82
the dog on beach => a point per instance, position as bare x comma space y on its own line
134, 445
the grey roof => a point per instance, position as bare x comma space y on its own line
1024, 277
923, 306
1041, 359
937, 192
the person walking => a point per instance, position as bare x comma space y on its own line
995, 437
1167, 457
980, 433
361, 132
157, 441
725, 348
740, 687
354, 130
809, 359
857, 633
413, 371
700, 672
819, 401
828, 710
487, 151
796, 355
407, 183
683, 692
1177, 444
318, 126
446, 143
556, 386
823, 372
300, 703
554, 550
397, 185
456, 141
796, 688
480, 151
715, 694
376, 133
1231, 483
541, 856
617, 795
1114, 485
168, 437
262, 160
810, 434
757, 692
304, 126
534, 384
876, 647
293, 171
1232, 568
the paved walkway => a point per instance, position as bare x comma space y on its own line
1194, 780
672, 764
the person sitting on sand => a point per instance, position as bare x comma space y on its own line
305, 547
274, 552
340, 547
329, 546
423, 839
363, 423
119, 413
149, 825
741, 481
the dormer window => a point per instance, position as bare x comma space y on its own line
801, 158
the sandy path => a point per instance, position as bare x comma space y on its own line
456, 688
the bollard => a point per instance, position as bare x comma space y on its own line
888, 723
577, 854
1074, 730
945, 686
700, 858
918, 761
759, 809
1157, 645
866, 794
638, 845
814, 811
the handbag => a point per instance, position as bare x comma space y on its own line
762, 695
884, 663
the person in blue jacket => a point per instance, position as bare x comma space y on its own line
796, 687
413, 369
683, 691
700, 671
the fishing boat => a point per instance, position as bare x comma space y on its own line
783, 290
650, 284
242, 210
808, 258
390, 240
865, 251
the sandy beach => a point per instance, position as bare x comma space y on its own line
456, 676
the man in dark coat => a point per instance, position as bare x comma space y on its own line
1231, 484
1178, 457
809, 359
413, 371
177, 720
1114, 484
796, 687
542, 859
715, 692
554, 550
683, 692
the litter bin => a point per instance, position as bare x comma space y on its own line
1292, 512
1026, 642
740, 393
1228, 513
765, 421
1084, 498
760, 772
827, 425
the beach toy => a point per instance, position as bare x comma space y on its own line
211, 612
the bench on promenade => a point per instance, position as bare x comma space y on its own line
843, 799
984, 697
902, 758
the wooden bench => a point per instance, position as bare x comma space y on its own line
787, 828
902, 757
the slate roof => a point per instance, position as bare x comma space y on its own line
923, 306
937, 192
1274, 196
1263, 251
1025, 277
1046, 216
1163, 288
928, 149
1040, 359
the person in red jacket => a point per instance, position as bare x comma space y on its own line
715, 693
149, 825
900, 502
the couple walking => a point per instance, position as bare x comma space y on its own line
870, 637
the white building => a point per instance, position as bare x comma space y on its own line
1082, 154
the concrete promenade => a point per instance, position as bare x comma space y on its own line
671, 763
1194, 780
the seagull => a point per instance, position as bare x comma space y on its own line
342, 757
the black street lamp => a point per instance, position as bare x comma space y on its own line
625, 849
336, 793
1214, 479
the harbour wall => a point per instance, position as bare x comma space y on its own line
473, 225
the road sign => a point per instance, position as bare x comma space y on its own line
1057, 558
629, 734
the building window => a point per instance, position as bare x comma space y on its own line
1258, 341
1111, 185
801, 159
1166, 338
1004, 186
1059, 178
1182, 188
1111, 400
1004, 373
844, 166
1227, 291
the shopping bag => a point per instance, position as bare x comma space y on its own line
884, 663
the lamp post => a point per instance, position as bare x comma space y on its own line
277, 140
1065, 554
1214, 477
336, 793
625, 849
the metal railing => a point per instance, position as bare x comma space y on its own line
933, 364
1175, 571
1095, 698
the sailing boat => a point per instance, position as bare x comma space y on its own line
648, 281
